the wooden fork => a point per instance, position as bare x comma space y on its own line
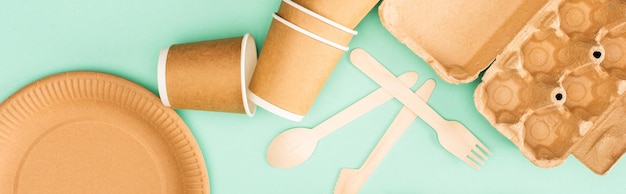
452, 135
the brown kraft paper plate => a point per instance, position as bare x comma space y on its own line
88, 132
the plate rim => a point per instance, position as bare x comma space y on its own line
16, 108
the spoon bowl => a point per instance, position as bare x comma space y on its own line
292, 147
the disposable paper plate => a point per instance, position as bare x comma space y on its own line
86, 132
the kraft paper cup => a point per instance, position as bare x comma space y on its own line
315, 23
345, 12
210, 75
292, 69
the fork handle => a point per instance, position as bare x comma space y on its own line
361, 107
377, 72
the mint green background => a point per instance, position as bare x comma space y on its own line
124, 37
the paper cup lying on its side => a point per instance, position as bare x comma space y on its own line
346, 12
292, 69
210, 75
315, 23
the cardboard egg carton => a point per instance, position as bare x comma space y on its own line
558, 88
459, 39
556, 84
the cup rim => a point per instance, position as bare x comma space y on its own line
161, 79
273, 108
308, 33
248, 60
320, 17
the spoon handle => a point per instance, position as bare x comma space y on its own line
387, 81
351, 180
403, 120
360, 107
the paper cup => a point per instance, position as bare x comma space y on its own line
292, 69
315, 23
210, 75
345, 12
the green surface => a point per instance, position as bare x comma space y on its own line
40, 38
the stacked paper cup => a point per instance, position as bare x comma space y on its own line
305, 41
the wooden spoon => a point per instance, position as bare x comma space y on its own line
294, 146
351, 180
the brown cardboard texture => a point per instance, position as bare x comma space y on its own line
291, 71
346, 12
459, 39
558, 88
85, 132
209, 75
312, 24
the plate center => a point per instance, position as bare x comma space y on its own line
93, 156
